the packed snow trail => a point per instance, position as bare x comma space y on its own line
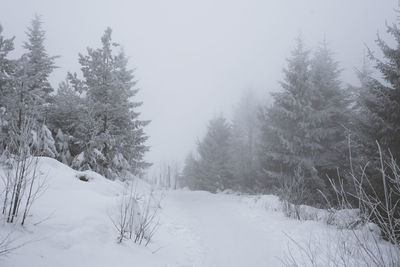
226, 231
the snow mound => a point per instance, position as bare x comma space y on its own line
266, 202
344, 219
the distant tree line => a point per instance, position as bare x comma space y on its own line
90, 122
227, 157
316, 131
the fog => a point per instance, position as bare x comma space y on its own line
194, 58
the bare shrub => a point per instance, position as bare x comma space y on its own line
293, 193
342, 248
9, 243
137, 216
128, 210
375, 240
22, 181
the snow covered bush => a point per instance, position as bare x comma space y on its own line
62, 145
44, 142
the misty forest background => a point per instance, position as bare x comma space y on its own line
315, 131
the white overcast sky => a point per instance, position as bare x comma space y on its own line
194, 58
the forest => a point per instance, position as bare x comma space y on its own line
88, 123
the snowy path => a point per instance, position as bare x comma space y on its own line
221, 230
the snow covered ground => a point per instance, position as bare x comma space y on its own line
70, 226
230, 230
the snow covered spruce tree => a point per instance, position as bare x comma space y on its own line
29, 89
67, 117
379, 102
284, 126
26, 94
6, 46
303, 133
330, 119
213, 168
41, 65
190, 172
378, 121
244, 142
6, 71
109, 134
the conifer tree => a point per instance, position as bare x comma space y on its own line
190, 172
29, 88
214, 171
67, 111
6, 72
378, 122
41, 65
379, 101
360, 145
117, 136
304, 132
329, 122
244, 142
6, 65
287, 143
62, 145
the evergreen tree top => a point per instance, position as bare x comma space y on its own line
6, 65
216, 141
390, 65
41, 64
106, 72
6, 45
296, 73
